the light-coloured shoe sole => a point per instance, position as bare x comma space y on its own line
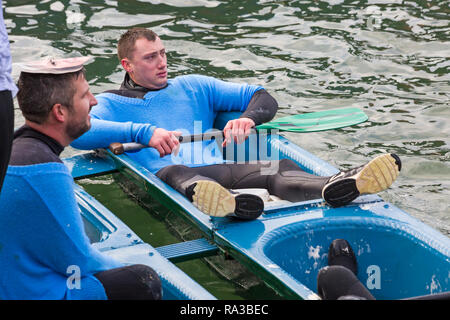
377, 175
213, 199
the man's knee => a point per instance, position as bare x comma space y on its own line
148, 282
334, 281
335, 273
338, 282
134, 282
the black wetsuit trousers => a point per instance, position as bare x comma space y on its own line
283, 178
340, 283
6, 131
134, 282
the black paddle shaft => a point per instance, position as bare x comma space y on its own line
201, 136
119, 148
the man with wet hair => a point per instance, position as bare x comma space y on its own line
42, 237
190, 103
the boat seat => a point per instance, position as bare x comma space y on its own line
269, 199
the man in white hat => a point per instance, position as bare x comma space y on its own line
42, 236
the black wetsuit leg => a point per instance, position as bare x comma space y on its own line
293, 184
340, 283
6, 131
289, 182
135, 282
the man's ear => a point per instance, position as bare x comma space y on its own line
59, 112
126, 64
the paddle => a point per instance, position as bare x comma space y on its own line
305, 122
317, 121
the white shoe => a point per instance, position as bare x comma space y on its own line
373, 177
214, 200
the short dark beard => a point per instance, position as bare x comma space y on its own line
76, 131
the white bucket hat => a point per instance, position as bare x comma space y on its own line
55, 66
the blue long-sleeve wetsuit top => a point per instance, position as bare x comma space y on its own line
188, 104
44, 250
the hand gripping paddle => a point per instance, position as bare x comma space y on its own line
305, 122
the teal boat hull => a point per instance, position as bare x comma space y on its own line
398, 255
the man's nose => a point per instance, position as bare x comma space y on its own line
93, 102
162, 61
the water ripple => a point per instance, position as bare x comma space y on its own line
391, 58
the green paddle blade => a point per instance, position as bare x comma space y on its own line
317, 121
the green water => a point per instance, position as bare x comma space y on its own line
388, 57
154, 226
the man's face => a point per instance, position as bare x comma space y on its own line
79, 120
148, 65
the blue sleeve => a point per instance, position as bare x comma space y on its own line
54, 239
68, 244
227, 96
104, 132
106, 128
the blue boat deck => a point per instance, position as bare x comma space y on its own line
398, 256
111, 236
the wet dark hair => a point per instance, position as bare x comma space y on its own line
38, 93
127, 41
